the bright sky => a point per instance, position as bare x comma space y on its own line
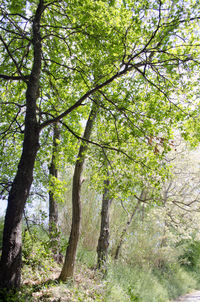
3, 205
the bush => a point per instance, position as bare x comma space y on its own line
139, 285
117, 294
35, 249
86, 257
190, 257
36, 254
175, 280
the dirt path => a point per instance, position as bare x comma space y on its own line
193, 297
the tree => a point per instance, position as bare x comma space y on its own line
53, 204
180, 192
103, 242
121, 239
68, 267
135, 48
11, 251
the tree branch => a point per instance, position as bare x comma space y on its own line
15, 78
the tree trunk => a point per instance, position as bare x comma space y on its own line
53, 206
10, 265
103, 242
142, 197
68, 267
124, 232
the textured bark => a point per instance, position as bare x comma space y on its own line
10, 265
103, 242
68, 267
53, 206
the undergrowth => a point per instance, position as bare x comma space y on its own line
123, 282
144, 284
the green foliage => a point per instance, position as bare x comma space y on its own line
36, 249
134, 58
123, 281
86, 257
17, 6
13, 296
190, 257
97, 41
58, 188
143, 285
138, 284
116, 293
176, 280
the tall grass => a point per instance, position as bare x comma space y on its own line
137, 284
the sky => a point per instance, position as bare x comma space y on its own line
3, 205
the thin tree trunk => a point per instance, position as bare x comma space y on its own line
124, 232
103, 242
68, 267
10, 265
53, 206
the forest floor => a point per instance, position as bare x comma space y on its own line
39, 284
86, 286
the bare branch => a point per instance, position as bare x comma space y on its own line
12, 58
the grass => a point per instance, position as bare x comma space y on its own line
86, 286
138, 285
123, 282
177, 281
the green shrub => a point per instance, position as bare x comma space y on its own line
34, 249
175, 280
117, 294
36, 255
139, 285
15, 296
86, 257
190, 258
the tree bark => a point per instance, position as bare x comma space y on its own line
53, 206
68, 267
103, 242
10, 265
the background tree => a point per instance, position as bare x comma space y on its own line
53, 204
103, 242
68, 267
